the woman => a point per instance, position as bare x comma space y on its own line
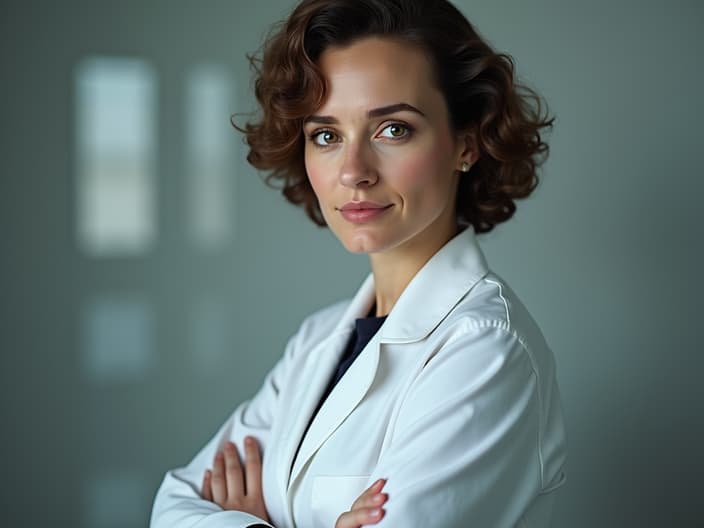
430, 398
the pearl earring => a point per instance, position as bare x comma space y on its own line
464, 167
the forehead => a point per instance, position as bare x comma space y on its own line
375, 72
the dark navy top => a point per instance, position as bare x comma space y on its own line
364, 330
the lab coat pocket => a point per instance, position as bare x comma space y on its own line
333, 495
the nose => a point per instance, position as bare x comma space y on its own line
358, 168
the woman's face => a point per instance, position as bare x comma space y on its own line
380, 153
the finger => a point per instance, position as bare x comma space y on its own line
206, 491
370, 501
233, 471
217, 480
376, 500
359, 517
365, 498
253, 466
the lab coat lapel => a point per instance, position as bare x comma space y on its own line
323, 362
309, 390
346, 395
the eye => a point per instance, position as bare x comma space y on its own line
396, 131
324, 138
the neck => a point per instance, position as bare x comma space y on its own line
394, 269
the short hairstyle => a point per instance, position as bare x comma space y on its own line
479, 86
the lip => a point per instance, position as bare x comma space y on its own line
362, 212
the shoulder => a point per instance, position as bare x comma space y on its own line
322, 322
314, 329
492, 302
491, 326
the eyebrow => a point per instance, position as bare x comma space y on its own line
376, 112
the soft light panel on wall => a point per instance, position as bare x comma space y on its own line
115, 105
210, 144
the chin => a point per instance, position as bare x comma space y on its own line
357, 246
356, 242
363, 244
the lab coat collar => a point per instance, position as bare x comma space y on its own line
432, 293
436, 289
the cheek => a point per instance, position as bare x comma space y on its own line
319, 177
417, 172
315, 172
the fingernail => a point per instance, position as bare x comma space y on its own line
375, 513
378, 498
249, 440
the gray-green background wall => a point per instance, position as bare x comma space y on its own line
607, 255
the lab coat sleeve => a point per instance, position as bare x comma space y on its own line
178, 503
465, 446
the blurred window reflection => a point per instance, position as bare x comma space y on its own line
116, 153
210, 141
117, 340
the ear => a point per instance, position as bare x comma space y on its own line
468, 150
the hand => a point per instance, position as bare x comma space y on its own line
367, 509
227, 486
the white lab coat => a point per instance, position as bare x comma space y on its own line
454, 401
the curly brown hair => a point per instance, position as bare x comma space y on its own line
479, 86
